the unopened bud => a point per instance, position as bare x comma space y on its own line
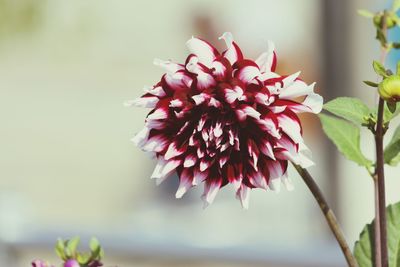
390, 20
389, 88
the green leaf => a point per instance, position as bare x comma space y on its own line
83, 259
388, 115
346, 137
94, 244
68, 253
381, 37
379, 68
372, 84
396, 45
392, 150
59, 248
398, 68
101, 254
396, 5
395, 160
72, 244
391, 106
363, 247
365, 13
352, 109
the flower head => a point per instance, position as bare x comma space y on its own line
71, 263
220, 118
389, 88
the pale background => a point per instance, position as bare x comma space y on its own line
67, 166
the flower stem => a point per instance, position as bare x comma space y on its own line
380, 177
377, 229
380, 238
328, 213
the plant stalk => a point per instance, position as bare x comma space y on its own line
328, 213
380, 177
380, 244
377, 229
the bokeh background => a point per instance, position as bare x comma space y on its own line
67, 166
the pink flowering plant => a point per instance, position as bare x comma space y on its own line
68, 252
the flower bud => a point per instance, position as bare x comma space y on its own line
71, 263
389, 88
390, 20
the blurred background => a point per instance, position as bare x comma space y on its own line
68, 167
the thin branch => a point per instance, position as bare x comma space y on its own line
381, 248
380, 174
329, 215
377, 229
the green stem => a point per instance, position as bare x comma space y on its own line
329, 215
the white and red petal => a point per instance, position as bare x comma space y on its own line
243, 194
231, 95
276, 170
291, 127
173, 151
179, 81
305, 156
263, 98
247, 70
221, 69
254, 152
164, 169
158, 114
203, 50
266, 148
205, 163
269, 125
222, 161
290, 79
144, 102
232, 173
185, 182
258, 180
287, 183
170, 67
312, 103
141, 137
156, 144
155, 90
156, 124
250, 112
211, 188
267, 60
190, 160
296, 89
204, 78
199, 176
233, 52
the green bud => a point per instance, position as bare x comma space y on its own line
389, 88
390, 20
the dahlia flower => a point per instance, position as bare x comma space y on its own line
71, 263
220, 118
